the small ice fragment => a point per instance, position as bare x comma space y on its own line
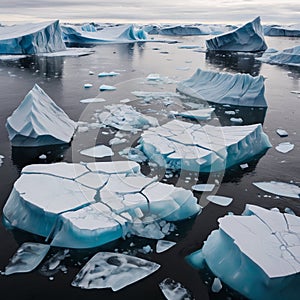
236, 120
147, 249
91, 73
108, 74
285, 147
105, 87
173, 290
53, 264
230, 112
155, 77
117, 141
217, 285
279, 188
203, 187
220, 200
289, 211
244, 166
88, 85
98, 151
163, 245
92, 100
282, 132
43, 156
125, 100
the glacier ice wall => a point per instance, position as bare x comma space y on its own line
31, 38
224, 88
247, 38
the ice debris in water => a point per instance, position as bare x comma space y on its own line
102, 202
97, 151
199, 114
256, 254
87, 85
163, 245
181, 145
137, 155
108, 74
285, 147
220, 200
237, 120
244, 166
282, 132
217, 285
247, 38
203, 187
1, 160
27, 258
279, 188
113, 270
225, 88
173, 290
38, 121
125, 117
31, 38
92, 100
105, 87
53, 264
154, 77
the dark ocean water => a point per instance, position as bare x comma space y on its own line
63, 80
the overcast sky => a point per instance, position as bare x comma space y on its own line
151, 11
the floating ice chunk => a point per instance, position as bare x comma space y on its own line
53, 264
113, 270
97, 151
12, 57
203, 187
43, 156
92, 100
220, 200
163, 245
31, 38
244, 166
69, 52
125, 117
88, 85
279, 30
156, 95
247, 38
147, 249
225, 88
153, 76
285, 147
279, 188
117, 141
1, 160
27, 258
217, 285
105, 87
91, 73
125, 100
237, 120
181, 145
256, 254
199, 114
282, 132
39, 121
173, 290
108, 74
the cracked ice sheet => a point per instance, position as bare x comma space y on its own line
113, 270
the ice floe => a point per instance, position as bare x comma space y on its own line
220, 200
163, 245
27, 258
88, 85
113, 270
279, 188
97, 151
225, 88
285, 147
279, 30
256, 254
92, 100
282, 132
102, 202
31, 38
108, 74
173, 290
39, 121
181, 145
105, 87
125, 117
247, 38
69, 52
198, 114
203, 187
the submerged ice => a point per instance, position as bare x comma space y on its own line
173, 290
88, 205
181, 145
256, 254
225, 88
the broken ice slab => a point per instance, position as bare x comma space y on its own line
173, 290
224, 88
53, 264
205, 187
31, 38
247, 38
39, 121
217, 285
199, 114
282, 132
181, 145
163, 245
279, 188
113, 270
89, 205
98, 151
27, 258
87, 85
73, 52
285, 147
105, 87
220, 200
108, 74
256, 254
125, 117
153, 76
92, 100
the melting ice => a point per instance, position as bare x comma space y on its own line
279, 188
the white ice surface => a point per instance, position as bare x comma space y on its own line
92, 100
163, 245
220, 200
199, 114
105, 87
285, 147
205, 187
97, 151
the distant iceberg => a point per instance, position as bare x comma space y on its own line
116, 34
89, 205
31, 38
278, 30
256, 254
225, 88
247, 38
289, 57
181, 145
38, 121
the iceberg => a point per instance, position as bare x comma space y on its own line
288, 57
224, 88
125, 117
88, 205
278, 30
256, 254
180, 145
113, 270
173, 290
115, 34
39, 121
31, 38
247, 38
